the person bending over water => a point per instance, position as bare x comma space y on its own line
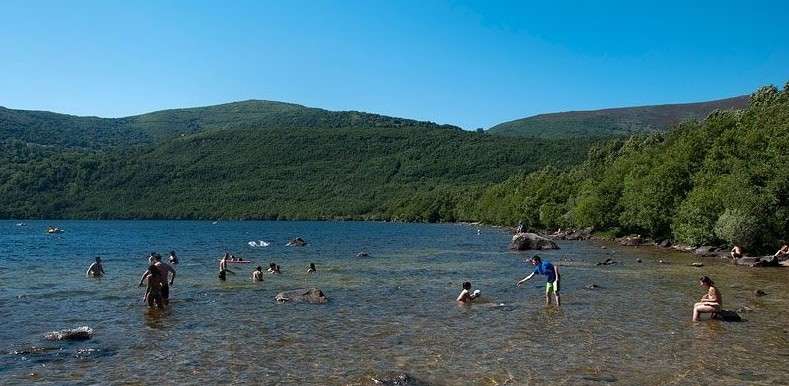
783, 252
96, 269
711, 302
736, 252
153, 293
552, 278
466, 296
311, 268
257, 274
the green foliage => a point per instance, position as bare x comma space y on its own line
722, 179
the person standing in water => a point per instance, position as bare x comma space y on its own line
736, 252
153, 293
551, 275
311, 268
257, 274
173, 258
164, 271
96, 269
711, 302
466, 296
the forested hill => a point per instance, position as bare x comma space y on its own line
613, 122
61, 130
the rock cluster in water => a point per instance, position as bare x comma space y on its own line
304, 295
79, 333
525, 241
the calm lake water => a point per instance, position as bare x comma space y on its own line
388, 313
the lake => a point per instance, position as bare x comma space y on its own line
389, 313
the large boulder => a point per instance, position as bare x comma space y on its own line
304, 295
526, 241
79, 333
632, 240
764, 261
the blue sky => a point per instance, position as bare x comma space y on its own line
469, 63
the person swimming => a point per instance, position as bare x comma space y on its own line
96, 269
257, 274
711, 302
153, 292
311, 268
173, 258
274, 268
466, 296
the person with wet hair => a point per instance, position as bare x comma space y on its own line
710, 303
164, 270
96, 269
311, 268
173, 258
466, 296
257, 274
273, 268
153, 292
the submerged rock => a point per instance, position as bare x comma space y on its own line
400, 380
79, 333
527, 241
297, 242
728, 316
759, 292
593, 287
608, 261
765, 261
304, 295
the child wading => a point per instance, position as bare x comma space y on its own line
552, 278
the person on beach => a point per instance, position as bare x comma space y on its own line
96, 269
466, 296
257, 274
164, 270
736, 252
153, 292
711, 302
551, 275
173, 258
782, 253
311, 268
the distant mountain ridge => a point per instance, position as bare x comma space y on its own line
53, 129
614, 121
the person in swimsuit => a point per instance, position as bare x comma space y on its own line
466, 296
551, 278
173, 258
711, 302
164, 272
782, 253
736, 252
153, 292
257, 274
311, 268
96, 269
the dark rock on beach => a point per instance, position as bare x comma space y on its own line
728, 316
572, 234
706, 251
79, 333
664, 244
304, 295
527, 241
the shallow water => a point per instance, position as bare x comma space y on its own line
388, 313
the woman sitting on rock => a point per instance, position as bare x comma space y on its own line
711, 302
782, 253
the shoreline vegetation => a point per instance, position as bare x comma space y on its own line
723, 180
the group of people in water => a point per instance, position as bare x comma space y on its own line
159, 276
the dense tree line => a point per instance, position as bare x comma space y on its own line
721, 180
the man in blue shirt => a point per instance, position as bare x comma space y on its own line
551, 274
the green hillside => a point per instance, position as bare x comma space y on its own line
52, 129
332, 172
613, 122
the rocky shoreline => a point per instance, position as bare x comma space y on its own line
522, 241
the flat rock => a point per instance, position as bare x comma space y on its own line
303, 295
706, 251
400, 380
764, 261
527, 241
79, 333
632, 240
728, 316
